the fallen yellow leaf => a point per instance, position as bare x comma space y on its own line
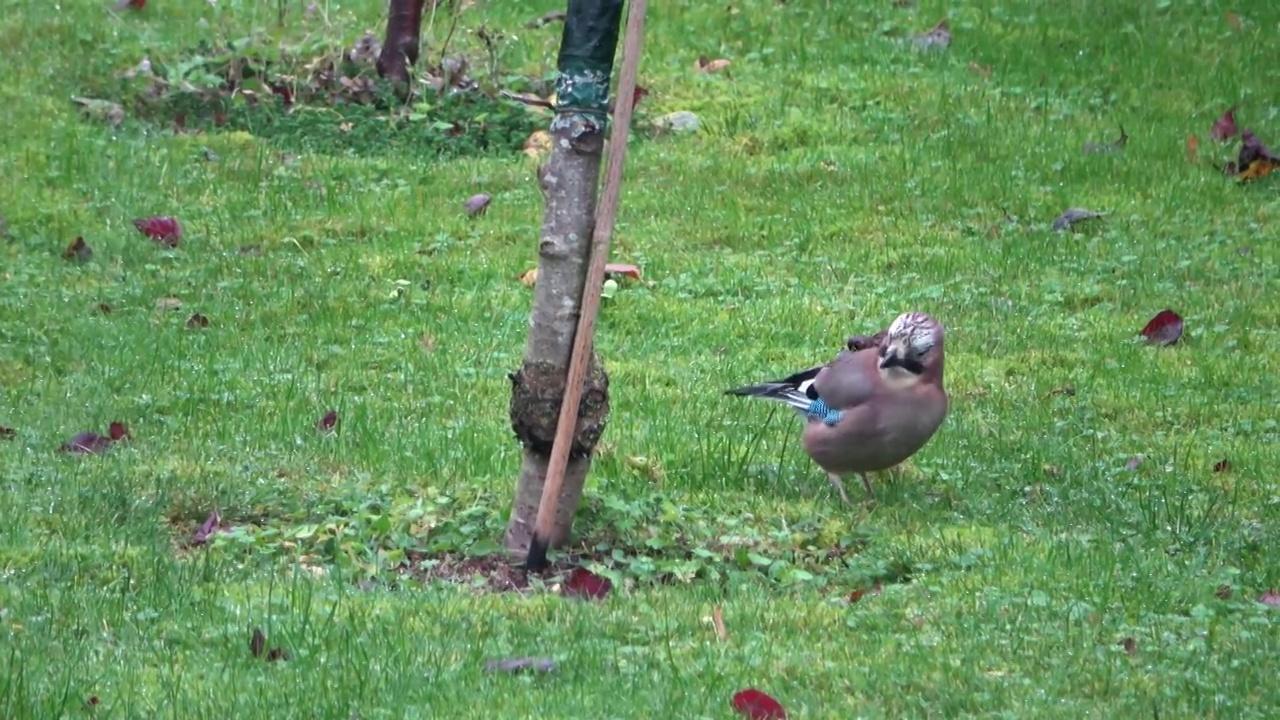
538, 144
528, 277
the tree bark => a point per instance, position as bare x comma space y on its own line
569, 182
400, 47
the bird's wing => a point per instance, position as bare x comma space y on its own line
848, 381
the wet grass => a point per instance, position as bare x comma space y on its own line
840, 178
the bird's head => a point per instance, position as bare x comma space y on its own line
912, 345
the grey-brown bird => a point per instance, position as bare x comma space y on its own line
872, 407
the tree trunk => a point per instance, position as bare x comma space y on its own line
569, 183
400, 47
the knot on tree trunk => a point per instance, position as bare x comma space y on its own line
536, 394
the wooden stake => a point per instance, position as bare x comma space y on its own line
606, 214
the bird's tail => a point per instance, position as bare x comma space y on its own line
779, 391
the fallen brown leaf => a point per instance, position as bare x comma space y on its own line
257, 642
1223, 465
936, 38
624, 269
1094, 148
706, 65
1071, 216
1234, 21
717, 621
78, 250
553, 16
1256, 159
1193, 148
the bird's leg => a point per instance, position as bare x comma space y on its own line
835, 480
866, 483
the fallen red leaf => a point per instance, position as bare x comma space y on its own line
1193, 148
1270, 598
1163, 329
130, 5
284, 91
624, 269
758, 706
477, 204
78, 250
329, 422
86, 442
162, 229
210, 526
1224, 128
514, 665
586, 585
118, 432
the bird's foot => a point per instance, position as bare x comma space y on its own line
835, 480
866, 483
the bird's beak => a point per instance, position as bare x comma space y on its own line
893, 355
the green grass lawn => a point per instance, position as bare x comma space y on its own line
840, 177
